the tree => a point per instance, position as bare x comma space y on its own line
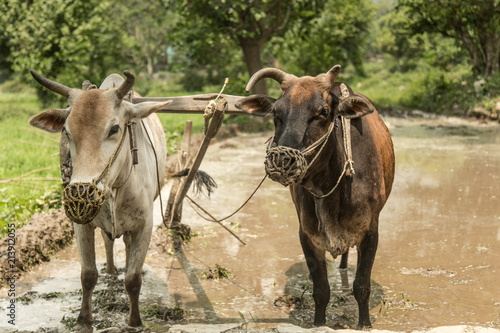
336, 36
249, 24
146, 28
394, 37
474, 23
66, 41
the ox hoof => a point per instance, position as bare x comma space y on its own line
83, 329
135, 323
364, 327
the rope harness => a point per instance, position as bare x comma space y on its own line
289, 166
82, 200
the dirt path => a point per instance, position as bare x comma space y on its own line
437, 265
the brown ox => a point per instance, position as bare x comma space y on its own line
107, 189
338, 207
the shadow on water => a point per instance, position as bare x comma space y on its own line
296, 301
342, 311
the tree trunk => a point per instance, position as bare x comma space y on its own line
251, 54
484, 51
492, 50
150, 64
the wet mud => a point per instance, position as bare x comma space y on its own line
34, 243
438, 261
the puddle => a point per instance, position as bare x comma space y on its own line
438, 261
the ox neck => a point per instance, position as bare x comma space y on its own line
335, 163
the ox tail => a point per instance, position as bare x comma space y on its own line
203, 182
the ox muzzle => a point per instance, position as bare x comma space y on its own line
82, 202
287, 165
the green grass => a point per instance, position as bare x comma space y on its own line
426, 88
23, 150
387, 89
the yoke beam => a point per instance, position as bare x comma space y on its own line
192, 103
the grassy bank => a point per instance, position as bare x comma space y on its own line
447, 91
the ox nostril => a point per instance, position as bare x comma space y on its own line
285, 165
79, 191
287, 161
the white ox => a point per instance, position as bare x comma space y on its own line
95, 124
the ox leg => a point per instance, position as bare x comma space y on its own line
137, 245
108, 245
86, 248
316, 263
343, 261
126, 240
361, 286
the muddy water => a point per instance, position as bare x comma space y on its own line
440, 232
438, 261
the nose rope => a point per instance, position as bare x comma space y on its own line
288, 165
112, 159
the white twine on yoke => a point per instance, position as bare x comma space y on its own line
209, 110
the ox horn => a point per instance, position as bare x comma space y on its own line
126, 85
272, 73
333, 73
51, 85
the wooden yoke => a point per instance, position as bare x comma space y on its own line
193, 103
213, 128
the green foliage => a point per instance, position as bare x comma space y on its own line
66, 41
23, 151
18, 210
475, 24
425, 88
221, 32
336, 36
442, 92
394, 35
15, 104
146, 33
394, 38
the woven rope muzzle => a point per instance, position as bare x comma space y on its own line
285, 165
82, 202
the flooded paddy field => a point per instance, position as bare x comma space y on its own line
438, 261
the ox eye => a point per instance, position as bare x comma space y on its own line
115, 129
324, 112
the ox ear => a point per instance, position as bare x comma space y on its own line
50, 120
355, 107
144, 109
256, 105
